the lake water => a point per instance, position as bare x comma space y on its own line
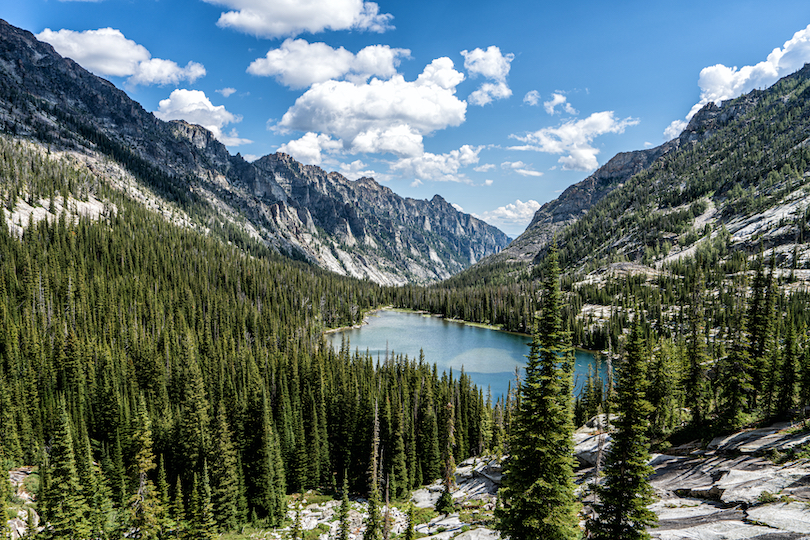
488, 356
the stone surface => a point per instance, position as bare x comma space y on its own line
792, 517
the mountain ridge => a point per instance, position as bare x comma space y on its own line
296, 209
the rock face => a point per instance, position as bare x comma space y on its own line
575, 201
355, 228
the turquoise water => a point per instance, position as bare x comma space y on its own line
488, 356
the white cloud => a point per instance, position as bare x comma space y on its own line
226, 92
489, 63
489, 92
250, 157
299, 64
488, 182
356, 169
532, 97
308, 149
520, 168
381, 115
558, 99
107, 52
484, 168
438, 167
282, 18
518, 214
493, 65
194, 107
457, 207
158, 71
574, 139
719, 83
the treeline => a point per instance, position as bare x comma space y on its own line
168, 383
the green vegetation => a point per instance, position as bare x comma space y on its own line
166, 382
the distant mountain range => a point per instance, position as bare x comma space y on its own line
739, 172
357, 228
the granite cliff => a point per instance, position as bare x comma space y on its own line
357, 228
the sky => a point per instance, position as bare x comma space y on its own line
497, 107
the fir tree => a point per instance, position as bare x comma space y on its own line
343, 512
735, 383
622, 512
786, 396
67, 509
538, 488
224, 475
144, 503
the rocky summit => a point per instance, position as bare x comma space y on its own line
355, 228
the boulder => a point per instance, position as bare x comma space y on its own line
792, 516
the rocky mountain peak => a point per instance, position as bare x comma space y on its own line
356, 228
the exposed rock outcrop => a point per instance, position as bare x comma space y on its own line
357, 228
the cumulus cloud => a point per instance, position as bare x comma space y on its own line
226, 92
513, 215
484, 168
309, 148
299, 64
574, 139
194, 107
493, 65
532, 98
381, 115
107, 52
719, 83
282, 18
560, 100
520, 168
438, 167
356, 169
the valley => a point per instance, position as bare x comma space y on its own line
169, 365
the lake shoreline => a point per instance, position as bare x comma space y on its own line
473, 324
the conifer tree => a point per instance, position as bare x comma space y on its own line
374, 520
410, 532
398, 460
444, 505
735, 383
786, 396
67, 510
343, 512
622, 512
224, 475
144, 503
537, 493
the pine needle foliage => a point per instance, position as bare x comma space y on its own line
622, 512
538, 488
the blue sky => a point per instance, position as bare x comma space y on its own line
497, 107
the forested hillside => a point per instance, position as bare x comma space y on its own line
707, 247
165, 381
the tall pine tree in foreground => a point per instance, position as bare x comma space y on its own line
622, 512
537, 496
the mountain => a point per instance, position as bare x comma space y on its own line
740, 167
357, 228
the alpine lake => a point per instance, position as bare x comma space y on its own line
487, 355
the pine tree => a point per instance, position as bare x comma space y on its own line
374, 520
410, 532
67, 509
224, 475
343, 512
785, 399
144, 504
622, 512
444, 505
735, 383
537, 493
